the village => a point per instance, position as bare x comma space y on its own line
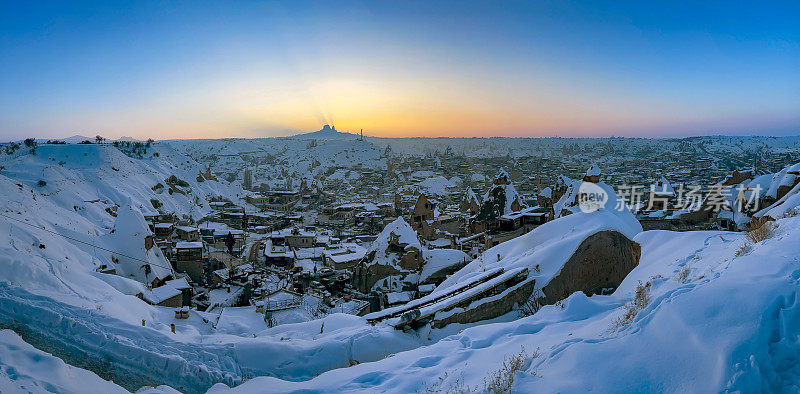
297, 251
383, 197
358, 248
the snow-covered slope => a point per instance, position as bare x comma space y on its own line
274, 160
720, 317
714, 322
57, 232
24, 369
127, 239
50, 246
90, 178
544, 250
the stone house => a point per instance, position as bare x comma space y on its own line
189, 259
422, 216
187, 233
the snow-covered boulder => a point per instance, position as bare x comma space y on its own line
584, 251
439, 263
781, 193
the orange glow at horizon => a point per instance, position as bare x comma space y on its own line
251, 107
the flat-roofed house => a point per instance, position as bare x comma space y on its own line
189, 259
346, 256
187, 233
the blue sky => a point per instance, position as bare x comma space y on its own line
249, 69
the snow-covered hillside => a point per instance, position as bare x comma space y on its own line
703, 311
714, 322
24, 368
90, 178
274, 160
55, 236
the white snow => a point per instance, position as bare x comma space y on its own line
127, 239
25, 369
437, 185
729, 324
704, 334
438, 259
404, 234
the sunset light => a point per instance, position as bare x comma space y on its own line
191, 70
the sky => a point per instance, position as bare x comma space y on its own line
200, 69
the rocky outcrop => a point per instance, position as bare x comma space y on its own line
600, 263
491, 309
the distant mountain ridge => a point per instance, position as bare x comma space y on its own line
327, 133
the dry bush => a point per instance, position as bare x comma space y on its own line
632, 308
683, 274
760, 233
791, 213
500, 381
742, 250
455, 387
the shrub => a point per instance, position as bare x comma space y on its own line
11, 148
742, 249
640, 301
156, 204
500, 381
455, 387
177, 181
760, 233
683, 274
41, 183
133, 149
791, 213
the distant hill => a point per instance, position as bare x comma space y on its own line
76, 139
327, 133
126, 138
